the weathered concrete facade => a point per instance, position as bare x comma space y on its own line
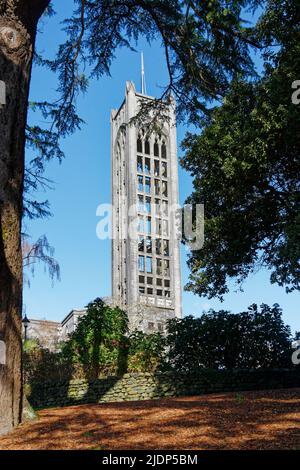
146, 278
69, 323
50, 333
47, 333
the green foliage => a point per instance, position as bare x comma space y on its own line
101, 345
205, 43
146, 352
246, 170
218, 340
99, 342
41, 365
30, 345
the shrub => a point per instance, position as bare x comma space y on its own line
222, 340
146, 352
217, 340
99, 344
41, 365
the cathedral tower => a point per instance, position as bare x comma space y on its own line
146, 278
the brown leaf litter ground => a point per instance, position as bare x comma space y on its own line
244, 420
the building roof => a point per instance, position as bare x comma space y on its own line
74, 312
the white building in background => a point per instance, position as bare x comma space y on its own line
49, 334
69, 323
146, 277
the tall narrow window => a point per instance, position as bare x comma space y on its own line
158, 228
147, 147
166, 247
157, 206
156, 149
139, 164
141, 243
141, 263
158, 266
165, 209
149, 265
157, 187
141, 223
164, 169
156, 167
140, 203
163, 150
140, 184
165, 228
158, 247
166, 268
149, 245
148, 225
147, 166
147, 185
139, 145
165, 188
148, 205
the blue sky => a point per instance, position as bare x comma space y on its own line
82, 182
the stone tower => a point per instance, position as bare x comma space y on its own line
146, 279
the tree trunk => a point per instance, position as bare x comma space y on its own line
18, 22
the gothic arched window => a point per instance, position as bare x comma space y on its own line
163, 150
139, 145
147, 147
156, 149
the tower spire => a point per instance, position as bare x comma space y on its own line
143, 81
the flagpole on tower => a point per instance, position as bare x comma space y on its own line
143, 81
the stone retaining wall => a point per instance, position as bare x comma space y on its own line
143, 386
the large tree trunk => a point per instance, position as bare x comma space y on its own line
18, 22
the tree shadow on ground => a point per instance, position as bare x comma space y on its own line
253, 420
